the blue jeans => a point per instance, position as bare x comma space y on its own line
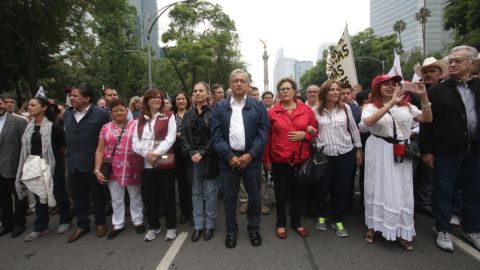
448, 169
204, 200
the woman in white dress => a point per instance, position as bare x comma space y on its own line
388, 174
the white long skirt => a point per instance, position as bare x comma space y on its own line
388, 192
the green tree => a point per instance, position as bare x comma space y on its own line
205, 44
463, 18
33, 34
367, 44
399, 26
421, 16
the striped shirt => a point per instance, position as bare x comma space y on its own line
333, 134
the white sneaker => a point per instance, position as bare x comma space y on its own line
444, 241
63, 228
473, 238
151, 234
34, 235
455, 220
171, 234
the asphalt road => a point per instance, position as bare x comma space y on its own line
321, 250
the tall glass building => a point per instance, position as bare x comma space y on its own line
384, 13
146, 9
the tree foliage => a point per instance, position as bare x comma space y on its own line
421, 16
464, 18
202, 44
367, 44
400, 26
34, 33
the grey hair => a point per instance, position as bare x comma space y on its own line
472, 52
239, 71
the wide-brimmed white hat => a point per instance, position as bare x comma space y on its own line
432, 62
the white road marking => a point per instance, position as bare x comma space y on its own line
467, 248
172, 252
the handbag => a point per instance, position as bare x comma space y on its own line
106, 166
401, 148
166, 161
313, 168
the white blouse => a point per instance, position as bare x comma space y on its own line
403, 116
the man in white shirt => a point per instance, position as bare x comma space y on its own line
239, 127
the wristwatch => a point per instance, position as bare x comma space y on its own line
95, 171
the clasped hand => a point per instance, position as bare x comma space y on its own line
240, 162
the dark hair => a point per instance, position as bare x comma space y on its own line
107, 88
85, 90
6, 96
254, 88
300, 98
345, 85
267, 93
117, 102
284, 80
49, 113
151, 93
174, 101
216, 86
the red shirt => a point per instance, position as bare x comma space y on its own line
279, 148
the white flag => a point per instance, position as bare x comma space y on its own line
396, 69
340, 62
40, 92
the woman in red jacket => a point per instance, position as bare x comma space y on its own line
287, 148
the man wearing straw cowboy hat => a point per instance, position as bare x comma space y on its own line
431, 72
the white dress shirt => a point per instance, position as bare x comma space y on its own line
147, 143
79, 115
236, 134
2, 121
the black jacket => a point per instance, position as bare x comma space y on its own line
81, 138
448, 132
196, 133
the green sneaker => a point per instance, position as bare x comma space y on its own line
339, 229
321, 225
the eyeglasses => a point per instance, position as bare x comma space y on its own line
456, 60
285, 89
389, 83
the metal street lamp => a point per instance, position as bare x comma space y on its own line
156, 17
374, 59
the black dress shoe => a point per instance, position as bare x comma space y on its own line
255, 239
208, 234
17, 231
231, 241
114, 233
5, 230
183, 219
196, 235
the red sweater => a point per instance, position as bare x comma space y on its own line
279, 148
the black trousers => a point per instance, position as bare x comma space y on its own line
82, 183
183, 182
286, 190
336, 184
11, 217
159, 189
231, 185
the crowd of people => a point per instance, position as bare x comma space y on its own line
415, 146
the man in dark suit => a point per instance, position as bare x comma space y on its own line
11, 131
82, 128
239, 128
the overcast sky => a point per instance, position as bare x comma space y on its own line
299, 26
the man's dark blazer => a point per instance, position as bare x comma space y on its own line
81, 138
11, 144
256, 124
448, 132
